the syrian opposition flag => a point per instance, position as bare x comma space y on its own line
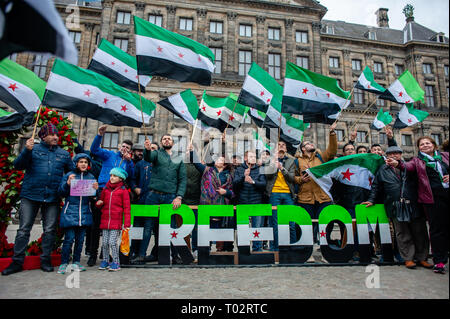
119, 66
184, 105
20, 88
258, 117
171, 55
259, 89
409, 116
259, 143
356, 170
317, 97
216, 112
381, 120
35, 26
404, 90
367, 83
14, 121
89, 94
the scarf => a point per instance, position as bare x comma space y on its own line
434, 162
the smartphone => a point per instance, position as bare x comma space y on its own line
304, 173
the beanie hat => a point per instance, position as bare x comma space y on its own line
46, 130
119, 172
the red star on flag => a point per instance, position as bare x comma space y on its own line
124, 108
256, 234
262, 93
174, 234
204, 108
328, 94
137, 77
400, 94
199, 59
126, 71
105, 100
305, 90
289, 131
181, 55
347, 174
12, 86
220, 112
160, 49
88, 93
323, 234
368, 86
113, 63
231, 118
409, 120
407, 101
268, 101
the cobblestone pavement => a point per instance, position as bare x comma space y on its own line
311, 282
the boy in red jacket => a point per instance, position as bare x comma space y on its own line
115, 205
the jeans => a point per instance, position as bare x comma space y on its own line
93, 231
151, 222
314, 211
275, 200
27, 212
194, 232
71, 235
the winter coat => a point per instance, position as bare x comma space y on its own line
77, 209
310, 192
110, 159
288, 173
249, 193
45, 165
194, 178
213, 180
116, 206
169, 173
141, 179
387, 186
424, 192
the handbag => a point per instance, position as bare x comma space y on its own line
402, 209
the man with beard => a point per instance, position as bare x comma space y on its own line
138, 153
167, 185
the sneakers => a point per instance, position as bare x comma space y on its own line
62, 269
114, 266
439, 268
76, 266
104, 265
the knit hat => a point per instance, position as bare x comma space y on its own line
394, 149
46, 130
119, 172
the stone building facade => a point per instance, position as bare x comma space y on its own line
269, 33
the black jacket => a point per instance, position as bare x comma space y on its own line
387, 186
249, 193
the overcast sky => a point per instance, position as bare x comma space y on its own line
432, 14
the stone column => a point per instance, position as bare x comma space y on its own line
106, 18
288, 23
140, 7
171, 17
202, 24
230, 46
261, 57
315, 40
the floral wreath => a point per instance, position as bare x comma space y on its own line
11, 179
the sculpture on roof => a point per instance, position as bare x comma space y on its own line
408, 11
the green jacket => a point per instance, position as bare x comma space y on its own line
168, 173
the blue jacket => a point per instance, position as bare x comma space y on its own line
110, 159
141, 178
77, 209
45, 165
249, 193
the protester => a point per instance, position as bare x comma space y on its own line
311, 196
431, 167
139, 185
76, 214
115, 205
410, 231
110, 160
44, 165
216, 188
348, 149
250, 185
280, 177
361, 149
168, 182
138, 153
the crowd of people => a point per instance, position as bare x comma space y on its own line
414, 192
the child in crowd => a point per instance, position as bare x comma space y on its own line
76, 214
115, 204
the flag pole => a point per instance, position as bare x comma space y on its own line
142, 111
193, 131
339, 115
37, 120
365, 111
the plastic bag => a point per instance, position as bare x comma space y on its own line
125, 244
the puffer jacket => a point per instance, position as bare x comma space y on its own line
77, 209
45, 165
110, 159
116, 206
249, 193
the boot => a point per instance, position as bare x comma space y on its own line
12, 269
46, 267
92, 260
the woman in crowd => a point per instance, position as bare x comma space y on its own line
431, 167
